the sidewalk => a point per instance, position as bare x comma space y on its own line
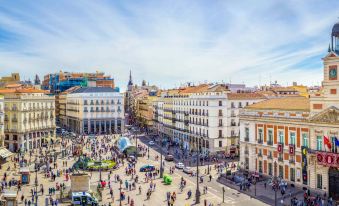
267, 195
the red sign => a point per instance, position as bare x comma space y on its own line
328, 159
291, 149
280, 148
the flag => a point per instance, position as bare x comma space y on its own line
327, 142
336, 141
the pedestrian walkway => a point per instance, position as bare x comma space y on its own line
265, 193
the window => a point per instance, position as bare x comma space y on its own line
220, 122
269, 168
247, 134
232, 105
260, 166
319, 181
220, 112
305, 139
281, 171
240, 105
292, 176
220, 103
260, 134
281, 137
292, 138
220, 143
270, 137
220, 133
319, 143
85, 102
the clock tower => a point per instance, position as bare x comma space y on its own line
329, 95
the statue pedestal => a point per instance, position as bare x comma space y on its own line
80, 182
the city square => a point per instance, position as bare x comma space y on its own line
169, 103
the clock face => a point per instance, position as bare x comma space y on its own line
333, 73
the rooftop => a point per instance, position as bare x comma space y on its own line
22, 90
94, 90
287, 104
244, 96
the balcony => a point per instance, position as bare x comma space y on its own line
270, 142
280, 159
260, 141
259, 154
233, 124
270, 157
291, 161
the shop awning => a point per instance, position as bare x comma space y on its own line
4, 153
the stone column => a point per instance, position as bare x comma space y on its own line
115, 125
100, 127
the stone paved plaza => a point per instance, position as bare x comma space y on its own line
158, 197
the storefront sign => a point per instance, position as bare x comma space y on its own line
304, 164
328, 159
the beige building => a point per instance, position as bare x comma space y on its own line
4, 153
297, 138
29, 118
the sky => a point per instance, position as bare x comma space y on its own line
169, 43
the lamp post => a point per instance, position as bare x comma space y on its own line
208, 162
197, 193
161, 168
120, 193
36, 179
136, 146
148, 152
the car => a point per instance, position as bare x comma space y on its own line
147, 168
180, 165
187, 170
151, 143
169, 158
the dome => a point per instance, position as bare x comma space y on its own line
335, 30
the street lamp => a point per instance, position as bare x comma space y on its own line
148, 152
197, 194
136, 147
208, 162
120, 193
161, 168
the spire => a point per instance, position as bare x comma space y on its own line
329, 48
130, 82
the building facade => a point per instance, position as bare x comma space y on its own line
203, 116
297, 138
95, 110
61, 81
29, 119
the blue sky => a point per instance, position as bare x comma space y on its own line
168, 43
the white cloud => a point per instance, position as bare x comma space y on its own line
168, 43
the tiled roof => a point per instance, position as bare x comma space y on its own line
94, 90
284, 89
243, 96
195, 89
23, 90
287, 104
